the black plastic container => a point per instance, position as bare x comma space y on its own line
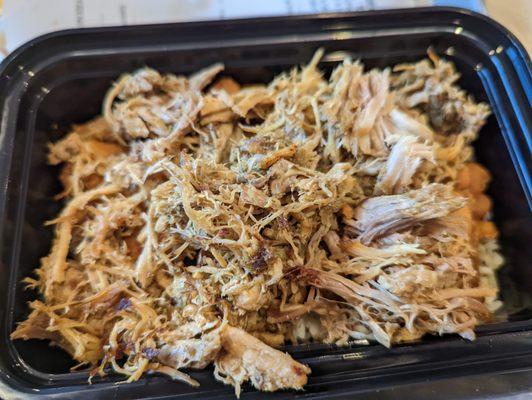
60, 79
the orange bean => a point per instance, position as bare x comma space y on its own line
480, 205
228, 84
479, 178
486, 230
463, 179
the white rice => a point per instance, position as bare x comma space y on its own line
490, 261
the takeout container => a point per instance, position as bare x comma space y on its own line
60, 79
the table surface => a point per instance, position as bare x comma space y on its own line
515, 15
17, 26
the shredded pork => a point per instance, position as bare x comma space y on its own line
207, 223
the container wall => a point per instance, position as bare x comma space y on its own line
69, 89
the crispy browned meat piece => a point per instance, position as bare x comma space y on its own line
247, 358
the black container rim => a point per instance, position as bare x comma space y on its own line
7, 61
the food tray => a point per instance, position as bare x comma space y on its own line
60, 79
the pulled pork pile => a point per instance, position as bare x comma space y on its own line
209, 223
